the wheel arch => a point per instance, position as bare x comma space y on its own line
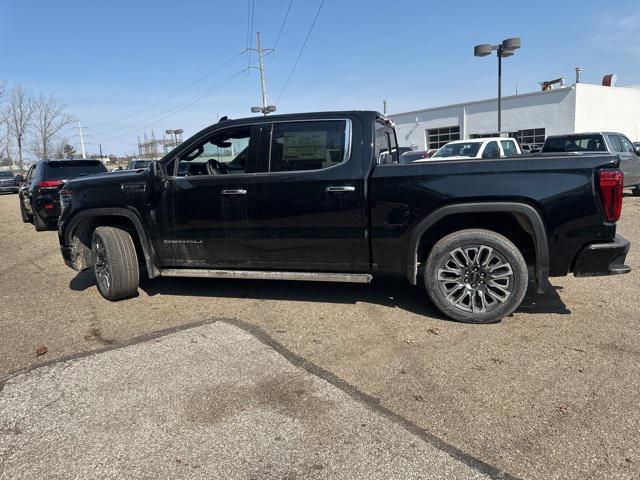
78, 230
520, 210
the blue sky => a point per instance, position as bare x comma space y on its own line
109, 59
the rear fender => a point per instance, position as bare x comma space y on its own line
538, 229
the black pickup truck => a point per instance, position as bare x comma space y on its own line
306, 197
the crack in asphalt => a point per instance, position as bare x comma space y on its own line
263, 337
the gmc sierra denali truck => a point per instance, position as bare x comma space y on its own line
302, 197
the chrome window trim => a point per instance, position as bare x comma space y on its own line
348, 140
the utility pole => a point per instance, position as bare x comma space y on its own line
84, 154
265, 109
384, 107
100, 146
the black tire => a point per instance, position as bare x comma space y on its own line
40, 224
635, 191
484, 295
115, 263
26, 217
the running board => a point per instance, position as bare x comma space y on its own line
268, 275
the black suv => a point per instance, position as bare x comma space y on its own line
39, 197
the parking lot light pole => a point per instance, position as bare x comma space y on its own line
503, 50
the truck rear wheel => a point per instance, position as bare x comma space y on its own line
115, 263
476, 276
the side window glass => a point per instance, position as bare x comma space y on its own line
615, 143
300, 146
491, 150
223, 153
386, 150
627, 147
509, 148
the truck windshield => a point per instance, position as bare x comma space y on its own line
6, 175
575, 143
467, 149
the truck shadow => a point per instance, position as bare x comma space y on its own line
388, 291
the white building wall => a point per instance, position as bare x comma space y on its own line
553, 110
615, 109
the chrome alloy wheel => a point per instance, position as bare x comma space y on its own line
475, 278
101, 265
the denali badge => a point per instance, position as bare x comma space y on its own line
182, 242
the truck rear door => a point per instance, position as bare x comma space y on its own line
310, 196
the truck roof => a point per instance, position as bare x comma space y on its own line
578, 134
293, 116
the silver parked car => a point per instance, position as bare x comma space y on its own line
9, 182
612, 142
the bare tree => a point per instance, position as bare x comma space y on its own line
19, 114
50, 119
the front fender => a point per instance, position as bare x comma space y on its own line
71, 224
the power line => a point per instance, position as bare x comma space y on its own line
146, 120
252, 7
286, 15
182, 106
208, 74
300, 52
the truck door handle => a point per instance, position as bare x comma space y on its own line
340, 189
238, 191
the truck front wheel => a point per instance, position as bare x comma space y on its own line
115, 263
476, 276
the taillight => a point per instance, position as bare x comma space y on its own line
611, 183
50, 183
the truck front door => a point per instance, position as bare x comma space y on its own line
203, 217
310, 198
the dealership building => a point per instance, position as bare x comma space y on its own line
529, 117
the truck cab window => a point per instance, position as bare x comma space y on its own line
492, 150
223, 153
386, 148
509, 148
299, 146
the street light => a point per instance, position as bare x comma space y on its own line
504, 49
264, 110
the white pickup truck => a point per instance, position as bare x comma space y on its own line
494, 147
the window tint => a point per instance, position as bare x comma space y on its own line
615, 143
299, 146
627, 147
65, 170
386, 150
466, 149
575, 143
509, 148
492, 150
30, 173
223, 153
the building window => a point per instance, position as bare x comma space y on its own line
483, 135
438, 137
532, 136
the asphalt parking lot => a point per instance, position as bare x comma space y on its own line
550, 392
